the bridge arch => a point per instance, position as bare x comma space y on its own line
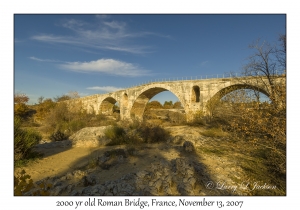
220, 93
106, 105
143, 97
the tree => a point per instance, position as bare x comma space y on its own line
265, 123
177, 105
62, 98
68, 96
154, 105
40, 99
266, 65
168, 105
43, 108
20, 104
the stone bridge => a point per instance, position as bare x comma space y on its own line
193, 95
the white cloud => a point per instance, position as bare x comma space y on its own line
116, 25
109, 35
107, 66
105, 88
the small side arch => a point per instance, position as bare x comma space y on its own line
195, 97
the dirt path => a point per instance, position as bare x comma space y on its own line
60, 158
58, 161
57, 164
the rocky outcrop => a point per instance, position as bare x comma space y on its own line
90, 137
177, 177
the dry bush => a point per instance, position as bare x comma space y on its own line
20, 105
24, 141
199, 119
153, 133
43, 109
67, 117
136, 133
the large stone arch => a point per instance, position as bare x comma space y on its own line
219, 93
106, 105
143, 97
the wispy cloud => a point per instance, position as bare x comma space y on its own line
203, 63
105, 34
102, 16
43, 60
16, 40
106, 66
105, 88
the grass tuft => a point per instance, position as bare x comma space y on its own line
214, 132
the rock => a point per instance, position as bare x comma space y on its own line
141, 174
90, 180
159, 179
115, 190
87, 190
78, 174
188, 146
57, 190
69, 189
192, 181
176, 140
116, 152
90, 137
158, 185
102, 159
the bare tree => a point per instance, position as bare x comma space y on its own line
266, 68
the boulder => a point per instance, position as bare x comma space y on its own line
90, 137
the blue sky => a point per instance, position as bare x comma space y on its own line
91, 54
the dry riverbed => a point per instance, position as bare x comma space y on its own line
215, 166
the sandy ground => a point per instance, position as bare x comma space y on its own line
58, 160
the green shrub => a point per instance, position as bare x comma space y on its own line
138, 133
58, 136
116, 134
198, 119
24, 140
153, 133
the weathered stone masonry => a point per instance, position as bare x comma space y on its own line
193, 95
